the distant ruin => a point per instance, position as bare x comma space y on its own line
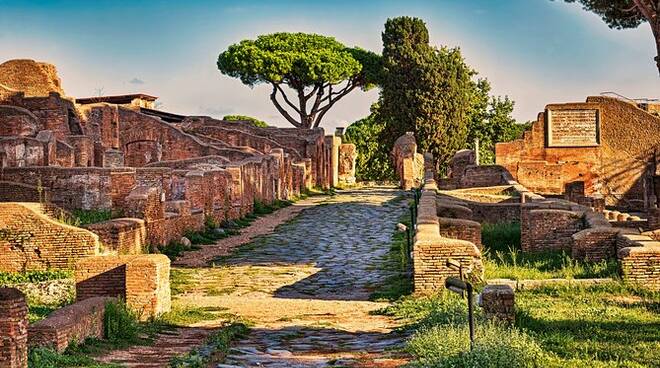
164, 173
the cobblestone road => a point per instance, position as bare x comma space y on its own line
306, 286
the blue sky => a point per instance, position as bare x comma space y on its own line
534, 51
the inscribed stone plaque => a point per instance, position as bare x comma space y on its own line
573, 128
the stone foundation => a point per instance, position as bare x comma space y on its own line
142, 281
498, 302
460, 229
122, 235
13, 329
594, 244
71, 324
548, 229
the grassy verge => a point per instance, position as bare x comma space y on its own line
608, 325
503, 258
399, 284
612, 325
213, 231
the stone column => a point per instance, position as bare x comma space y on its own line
13, 329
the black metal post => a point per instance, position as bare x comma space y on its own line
470, 314
412, 217
409, 245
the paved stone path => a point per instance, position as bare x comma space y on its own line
306, 287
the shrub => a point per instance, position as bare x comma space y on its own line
121, 324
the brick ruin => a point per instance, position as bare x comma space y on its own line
408, 163
164, 173
158, 173
611, 145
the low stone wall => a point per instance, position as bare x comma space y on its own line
431, 251
173, 227
141, 280
594, 244
31, 240
548, 229
461, 229
640, 263
484, 176
122, 235
494, 213
71, 324
13, 329
452, 209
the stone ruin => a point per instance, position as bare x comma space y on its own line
408, 164
611, 145
162, 174
570, 183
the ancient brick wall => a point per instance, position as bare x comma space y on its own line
640, 264
494, 213
17, 121
54, 112
431, 251
145, 139
14, 328
594, 244
83, 150
19, 192
548, 229
615, 168
30, 240
71, 324
122, 235
141, 280
460, 229
484, 176
70, 188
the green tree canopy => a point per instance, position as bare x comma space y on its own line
319, 69
373, 160
621, 14
254, 121
425, 90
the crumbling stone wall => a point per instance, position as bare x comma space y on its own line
548, 229
31, 240
14, 327
640, 262
71, 324
122, 235
143, 281
31, 77
617, 167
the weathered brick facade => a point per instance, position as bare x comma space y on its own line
13, 329
143, 281
123, 235
617, 165
31, 240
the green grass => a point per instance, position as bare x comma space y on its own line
9, 278
503, 258
191, 315
181, 280
611, 324
218, 347
86, 217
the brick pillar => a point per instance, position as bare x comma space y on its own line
498, 302
13, 329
